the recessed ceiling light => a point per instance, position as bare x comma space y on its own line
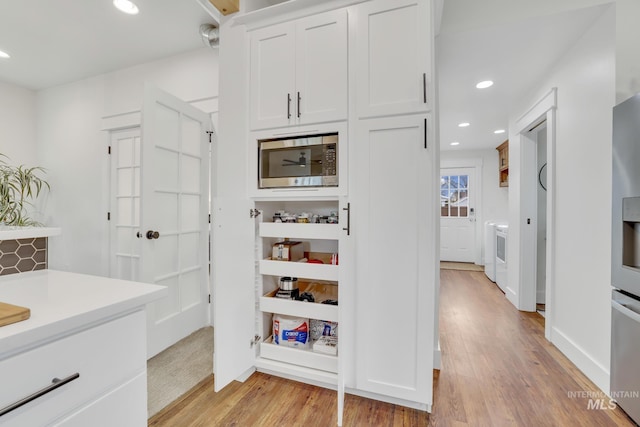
499, 131
463, 125
484, 84
126, 6
455, 143
4, 54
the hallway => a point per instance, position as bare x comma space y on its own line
497, 370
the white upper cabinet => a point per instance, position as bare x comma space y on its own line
272, 76
299, 72
393, 52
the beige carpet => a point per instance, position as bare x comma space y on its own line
466, 266
178, 369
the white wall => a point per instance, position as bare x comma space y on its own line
73, 148
495, 199
18, 124
585, 81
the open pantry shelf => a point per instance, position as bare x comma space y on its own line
300, 231
299, 269
297, 356
311, 310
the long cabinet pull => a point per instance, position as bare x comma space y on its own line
425, 134
348, 227
55, 383
424, 87
299, 98
288, 105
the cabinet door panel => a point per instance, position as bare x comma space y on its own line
394, 292
393, 57
272, 76
321, 67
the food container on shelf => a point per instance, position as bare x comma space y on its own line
287, 250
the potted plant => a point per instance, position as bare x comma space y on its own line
18, 186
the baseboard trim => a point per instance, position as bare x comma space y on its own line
597, 373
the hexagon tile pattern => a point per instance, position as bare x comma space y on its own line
22, 255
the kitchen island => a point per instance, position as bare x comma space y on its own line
83, 347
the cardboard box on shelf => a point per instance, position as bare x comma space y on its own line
287, 251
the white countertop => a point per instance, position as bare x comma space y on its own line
61, 302
14, 232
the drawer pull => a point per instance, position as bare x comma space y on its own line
55, 383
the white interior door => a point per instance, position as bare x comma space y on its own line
174, 216
457, 215
124, 260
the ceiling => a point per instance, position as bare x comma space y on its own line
515, 55
56, 42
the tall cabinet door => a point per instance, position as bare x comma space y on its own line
393, 225
321, 67
273, 76
393, 52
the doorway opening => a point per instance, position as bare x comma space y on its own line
536, 221
459, 207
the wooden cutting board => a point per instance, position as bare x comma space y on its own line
10, 313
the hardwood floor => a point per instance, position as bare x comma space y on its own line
497, 370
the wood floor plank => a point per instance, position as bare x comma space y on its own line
497, 370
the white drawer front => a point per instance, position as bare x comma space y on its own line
104, 356
122, 407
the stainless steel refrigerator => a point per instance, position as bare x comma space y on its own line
625, 258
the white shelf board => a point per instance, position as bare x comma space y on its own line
299, 269
299, 357
299, 308
297, 373
300, 231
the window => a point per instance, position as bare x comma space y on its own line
454, 196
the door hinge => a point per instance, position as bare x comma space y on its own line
109, 150
254, 213
256, 340
108, 216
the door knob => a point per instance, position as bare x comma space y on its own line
152, 234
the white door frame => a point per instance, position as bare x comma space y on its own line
475, 163
525, 299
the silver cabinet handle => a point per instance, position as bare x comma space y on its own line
348, 227
288, 105
55, 383
299, 98
425, 134
424, 87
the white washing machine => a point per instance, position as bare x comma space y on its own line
490, 248
502, 243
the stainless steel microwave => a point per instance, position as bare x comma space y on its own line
301, 161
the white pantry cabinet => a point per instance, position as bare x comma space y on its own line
393, 229
299, 71
393, 57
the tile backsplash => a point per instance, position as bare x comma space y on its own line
22, 255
